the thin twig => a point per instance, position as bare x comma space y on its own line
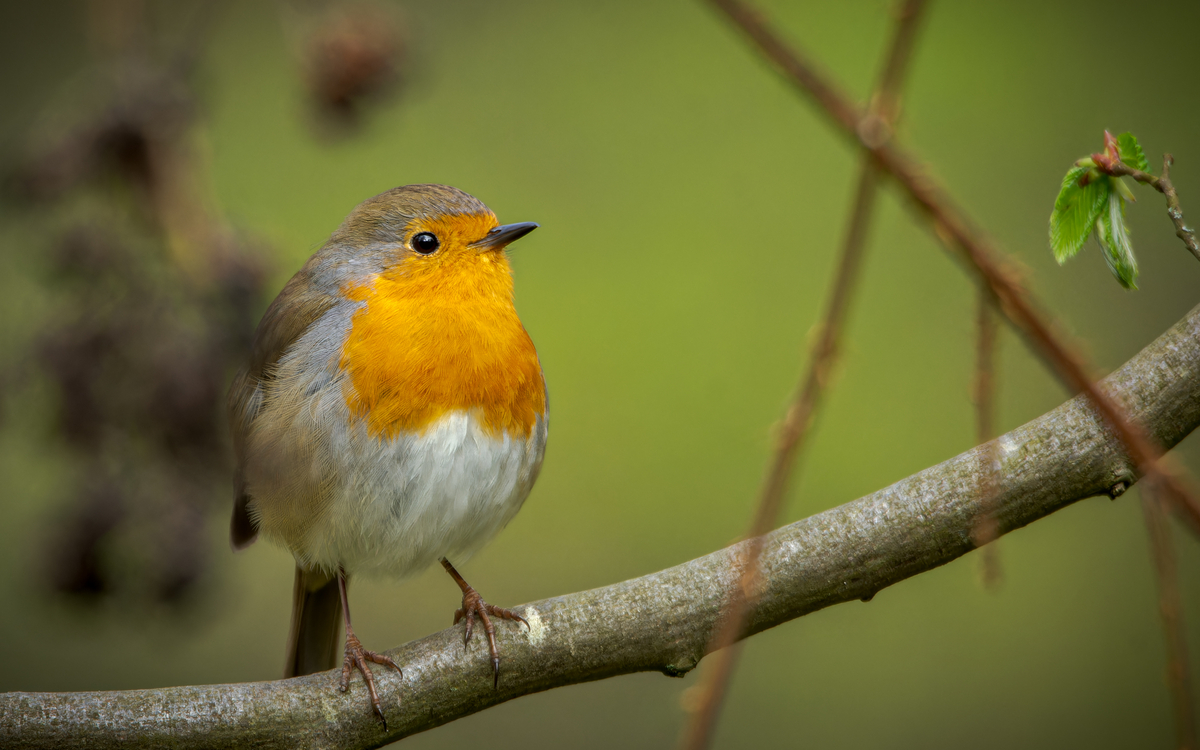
952, 227
800, 415
1161, 549
984, 396
983, 390
1170, 606
1163, 185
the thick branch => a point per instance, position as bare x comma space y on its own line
663, 621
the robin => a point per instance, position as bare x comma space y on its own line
393, 413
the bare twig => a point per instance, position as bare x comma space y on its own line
1170, 607
952, 227
984, 395
983, 389
800, 415
1163, 185
1161, 549
663, 621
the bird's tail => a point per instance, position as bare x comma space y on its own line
316, 624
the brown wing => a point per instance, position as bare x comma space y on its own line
296, 308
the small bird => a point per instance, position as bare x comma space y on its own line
393, 413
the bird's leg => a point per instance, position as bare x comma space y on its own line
474, 606
357, 656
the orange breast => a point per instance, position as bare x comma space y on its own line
439, 335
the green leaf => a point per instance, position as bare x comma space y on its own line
1122, 188
1131, 152
1075, 212
1114, 240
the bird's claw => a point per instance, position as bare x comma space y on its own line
358, 657
473, 606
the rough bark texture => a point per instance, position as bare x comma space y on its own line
664, 621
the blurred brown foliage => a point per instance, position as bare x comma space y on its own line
156, 301
353, 57
156, 295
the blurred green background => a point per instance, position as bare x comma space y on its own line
691, 206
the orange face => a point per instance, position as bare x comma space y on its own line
439, 333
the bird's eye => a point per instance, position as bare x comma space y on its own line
425, 242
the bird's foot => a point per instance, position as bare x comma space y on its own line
358, 657
473, 607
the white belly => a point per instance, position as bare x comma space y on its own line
403, 503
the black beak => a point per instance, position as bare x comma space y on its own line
504, 234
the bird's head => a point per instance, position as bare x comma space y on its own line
432, 231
